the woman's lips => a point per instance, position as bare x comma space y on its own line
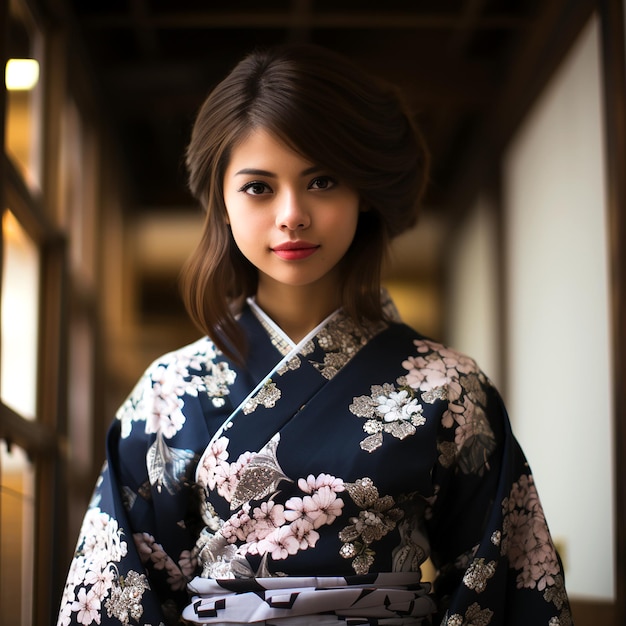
295, 250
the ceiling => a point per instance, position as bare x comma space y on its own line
468, 68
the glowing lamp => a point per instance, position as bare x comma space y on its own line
21, 74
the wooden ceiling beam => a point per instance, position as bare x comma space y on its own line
291, 19
145, 33
453, 83
469, 18
301, 11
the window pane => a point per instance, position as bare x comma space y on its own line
78, 194
20, 308
17, 515
23, 105
81, 393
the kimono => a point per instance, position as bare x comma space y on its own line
310, 486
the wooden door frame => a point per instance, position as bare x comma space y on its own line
614, 85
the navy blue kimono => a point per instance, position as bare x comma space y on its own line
310, 487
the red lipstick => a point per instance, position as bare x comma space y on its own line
295, 250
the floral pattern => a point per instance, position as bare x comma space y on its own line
266, 397
158, 398
152, 552
125, 600
377, 517
272, 530
440, 373
478, 574
526, 539
276, 531
474, 616
360, 468
167, 466
94, 575
388, 410
340, 340
98, 585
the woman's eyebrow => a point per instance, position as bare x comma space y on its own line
251, 171
311, 170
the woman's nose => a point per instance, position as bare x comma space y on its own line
292, 213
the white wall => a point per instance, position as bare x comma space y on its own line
559, 392
472, 298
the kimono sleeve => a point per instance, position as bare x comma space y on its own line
491, 545
131, 562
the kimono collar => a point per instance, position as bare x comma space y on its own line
283, 342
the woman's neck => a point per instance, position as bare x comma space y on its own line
298, 310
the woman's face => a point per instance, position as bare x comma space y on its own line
291, 218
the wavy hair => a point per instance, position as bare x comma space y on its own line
332, 113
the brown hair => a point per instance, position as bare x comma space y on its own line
334, 114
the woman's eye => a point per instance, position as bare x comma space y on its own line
322, 182
255, 188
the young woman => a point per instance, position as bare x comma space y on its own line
300, 463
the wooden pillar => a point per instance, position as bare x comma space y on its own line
614, 75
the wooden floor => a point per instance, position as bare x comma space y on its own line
594, 613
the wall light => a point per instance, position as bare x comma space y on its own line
21, 74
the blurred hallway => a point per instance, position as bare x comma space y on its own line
519, 256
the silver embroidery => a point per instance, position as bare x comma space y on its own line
432, 395
289, 365
267, 397
396, 412
167, 465
215, 555
125, 600
307, 348
348, 551
333, 362
371, 443
261, 476
478, 573
378, 516
400, 430
475, 615
209, 515
341, 339
217, 382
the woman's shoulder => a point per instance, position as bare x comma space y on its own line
431, 350
193, 361
424, 348
432, 364
197, 355
170, 382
